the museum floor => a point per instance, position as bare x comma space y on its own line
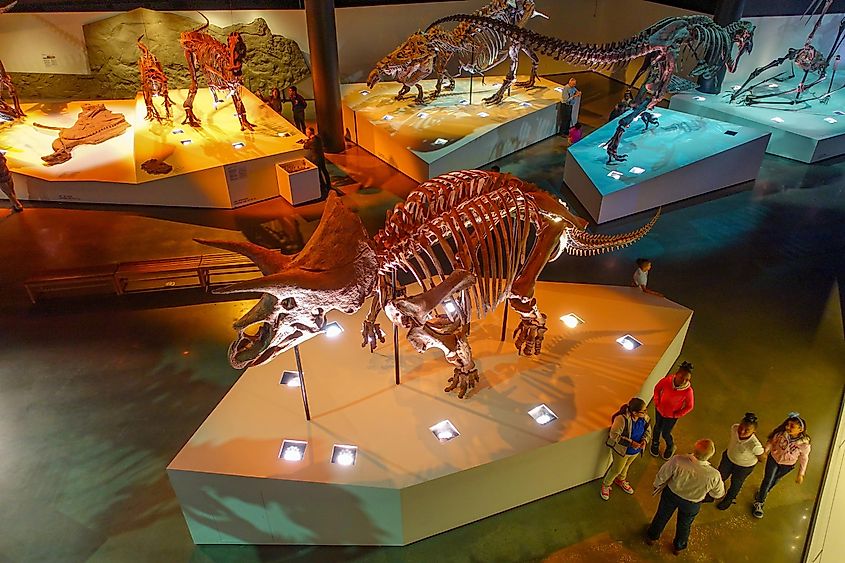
98, 396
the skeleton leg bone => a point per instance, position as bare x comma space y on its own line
454, 345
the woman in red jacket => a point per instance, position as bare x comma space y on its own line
673, 398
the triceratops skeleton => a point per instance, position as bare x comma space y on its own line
477, 49
153, 83
222, 66
660, 45
465, 237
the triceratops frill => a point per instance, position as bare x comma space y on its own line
464, 237
336, 270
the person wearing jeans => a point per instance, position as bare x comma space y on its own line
740, 458
787, 445
673, 398
629, 434
684, 482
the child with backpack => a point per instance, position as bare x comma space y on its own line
630, 432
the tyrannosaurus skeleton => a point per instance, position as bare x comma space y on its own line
222, 66
477, 51
464, 237
660, 46
153, 83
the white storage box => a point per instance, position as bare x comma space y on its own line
299, 181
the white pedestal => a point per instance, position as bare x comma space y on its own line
405, 484
456, 131
683, 157
299, 181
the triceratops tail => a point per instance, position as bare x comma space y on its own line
582, 243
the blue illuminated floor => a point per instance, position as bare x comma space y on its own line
679, 140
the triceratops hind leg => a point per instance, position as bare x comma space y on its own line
457, 350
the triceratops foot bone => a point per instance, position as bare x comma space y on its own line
463, 381
528, 336
373, 334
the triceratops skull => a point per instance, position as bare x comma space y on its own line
336, 270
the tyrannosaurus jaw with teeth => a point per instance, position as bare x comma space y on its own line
336, 270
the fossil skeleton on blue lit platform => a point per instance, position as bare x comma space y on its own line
465, 238
660, 46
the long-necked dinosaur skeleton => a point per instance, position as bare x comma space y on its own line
477, 50
465, 238
222, 66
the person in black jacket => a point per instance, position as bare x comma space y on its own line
317, 155
298, 104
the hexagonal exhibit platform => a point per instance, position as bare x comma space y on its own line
216, 165
406, 484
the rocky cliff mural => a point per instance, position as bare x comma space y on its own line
272, 60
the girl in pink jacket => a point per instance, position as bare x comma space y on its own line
788, 445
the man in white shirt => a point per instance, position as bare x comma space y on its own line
685, 480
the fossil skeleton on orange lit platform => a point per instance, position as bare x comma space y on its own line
153, 83
465, 238
10, 110
222, 66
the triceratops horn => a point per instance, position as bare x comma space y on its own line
293, 280
268, 261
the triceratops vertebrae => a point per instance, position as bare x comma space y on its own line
464, 237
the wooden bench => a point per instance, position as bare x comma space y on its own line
158, 275
222, 269
97, 280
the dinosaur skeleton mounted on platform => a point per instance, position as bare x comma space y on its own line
222, 66
9, 111
477, 50
464, 237
807, 58
660, 46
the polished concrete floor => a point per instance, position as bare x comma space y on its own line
97, 396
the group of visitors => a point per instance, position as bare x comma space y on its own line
313, 143
686, 481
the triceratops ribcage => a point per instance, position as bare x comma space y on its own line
465, 237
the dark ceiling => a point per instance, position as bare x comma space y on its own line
752, 7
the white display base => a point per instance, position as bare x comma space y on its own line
449, 133
807, 132
685, 156
298, 186
405, 484
208, 171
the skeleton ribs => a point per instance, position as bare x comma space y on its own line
222, 66
153, 83
464, 238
